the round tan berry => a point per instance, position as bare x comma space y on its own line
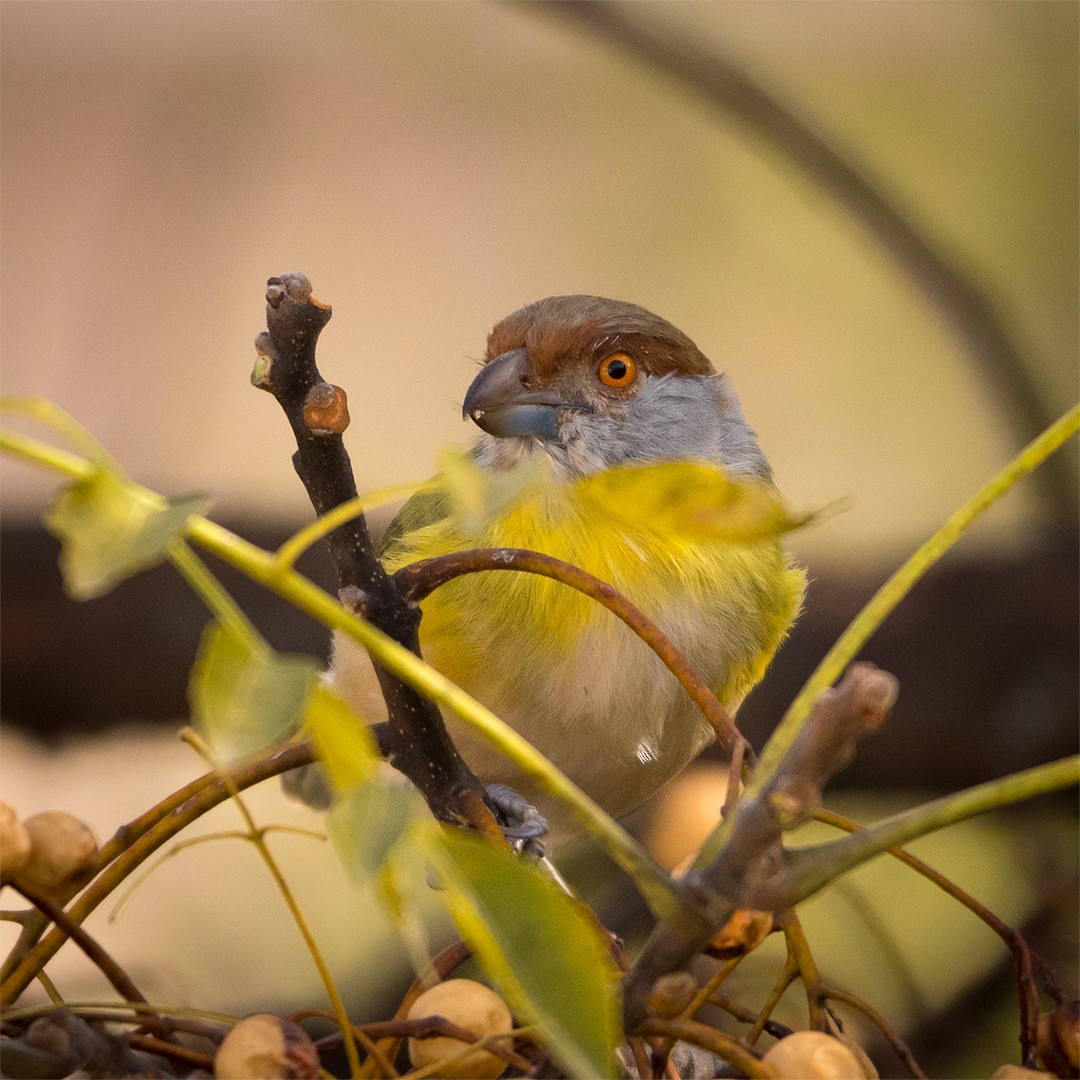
811, 1055
14, 843
265, 1047
470, 1005
63, 854
686, 811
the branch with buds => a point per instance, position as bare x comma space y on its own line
415, 739
753, 870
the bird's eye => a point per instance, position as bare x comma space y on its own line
617, 370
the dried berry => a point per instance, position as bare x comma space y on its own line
470, 1005
742, 933
63, 854
265, 1047
812, 1055
14, 843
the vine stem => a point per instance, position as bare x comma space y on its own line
814, 866
901, 582
417, 580
139, 840
900, 1048
881, 604
223, 607
1024, 958
661, 894
256, 837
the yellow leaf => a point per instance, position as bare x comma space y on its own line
342, 741
695, 500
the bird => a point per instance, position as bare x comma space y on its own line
571, 388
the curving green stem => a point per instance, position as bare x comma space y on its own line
881, 604
811, 868
269, 569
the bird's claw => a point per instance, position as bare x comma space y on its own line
521, 822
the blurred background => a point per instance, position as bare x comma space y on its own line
434, 166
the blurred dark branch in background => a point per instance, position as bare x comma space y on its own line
959, 299
985, 647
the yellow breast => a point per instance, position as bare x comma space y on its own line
566, 672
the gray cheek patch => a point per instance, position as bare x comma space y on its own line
671, 417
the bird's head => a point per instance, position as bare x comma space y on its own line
594, 382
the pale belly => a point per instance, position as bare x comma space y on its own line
609, 715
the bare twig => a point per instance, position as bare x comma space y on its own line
151, 1044
748, 1016
136, 846
788, 974
417, 741
117, 976
751, 870
900, 1048
801, 957
1024, 957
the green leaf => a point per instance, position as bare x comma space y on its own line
367, 821
110, 530
474, 495
343, 742
370, 811
692, 499
541, 947
243, 695
403, 886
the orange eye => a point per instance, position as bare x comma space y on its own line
617, 370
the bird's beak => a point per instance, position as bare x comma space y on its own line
499, 401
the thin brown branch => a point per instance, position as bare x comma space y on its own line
1024, 958
788, 974
137, 847
162, 1047
376, 1059
118, 978
34, 926
417, 742
419, 579
802, 958
900, 1048
708, 1038
748, 1016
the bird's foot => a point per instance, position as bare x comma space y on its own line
521, 823
309, 784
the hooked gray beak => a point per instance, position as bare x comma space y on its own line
499, 402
